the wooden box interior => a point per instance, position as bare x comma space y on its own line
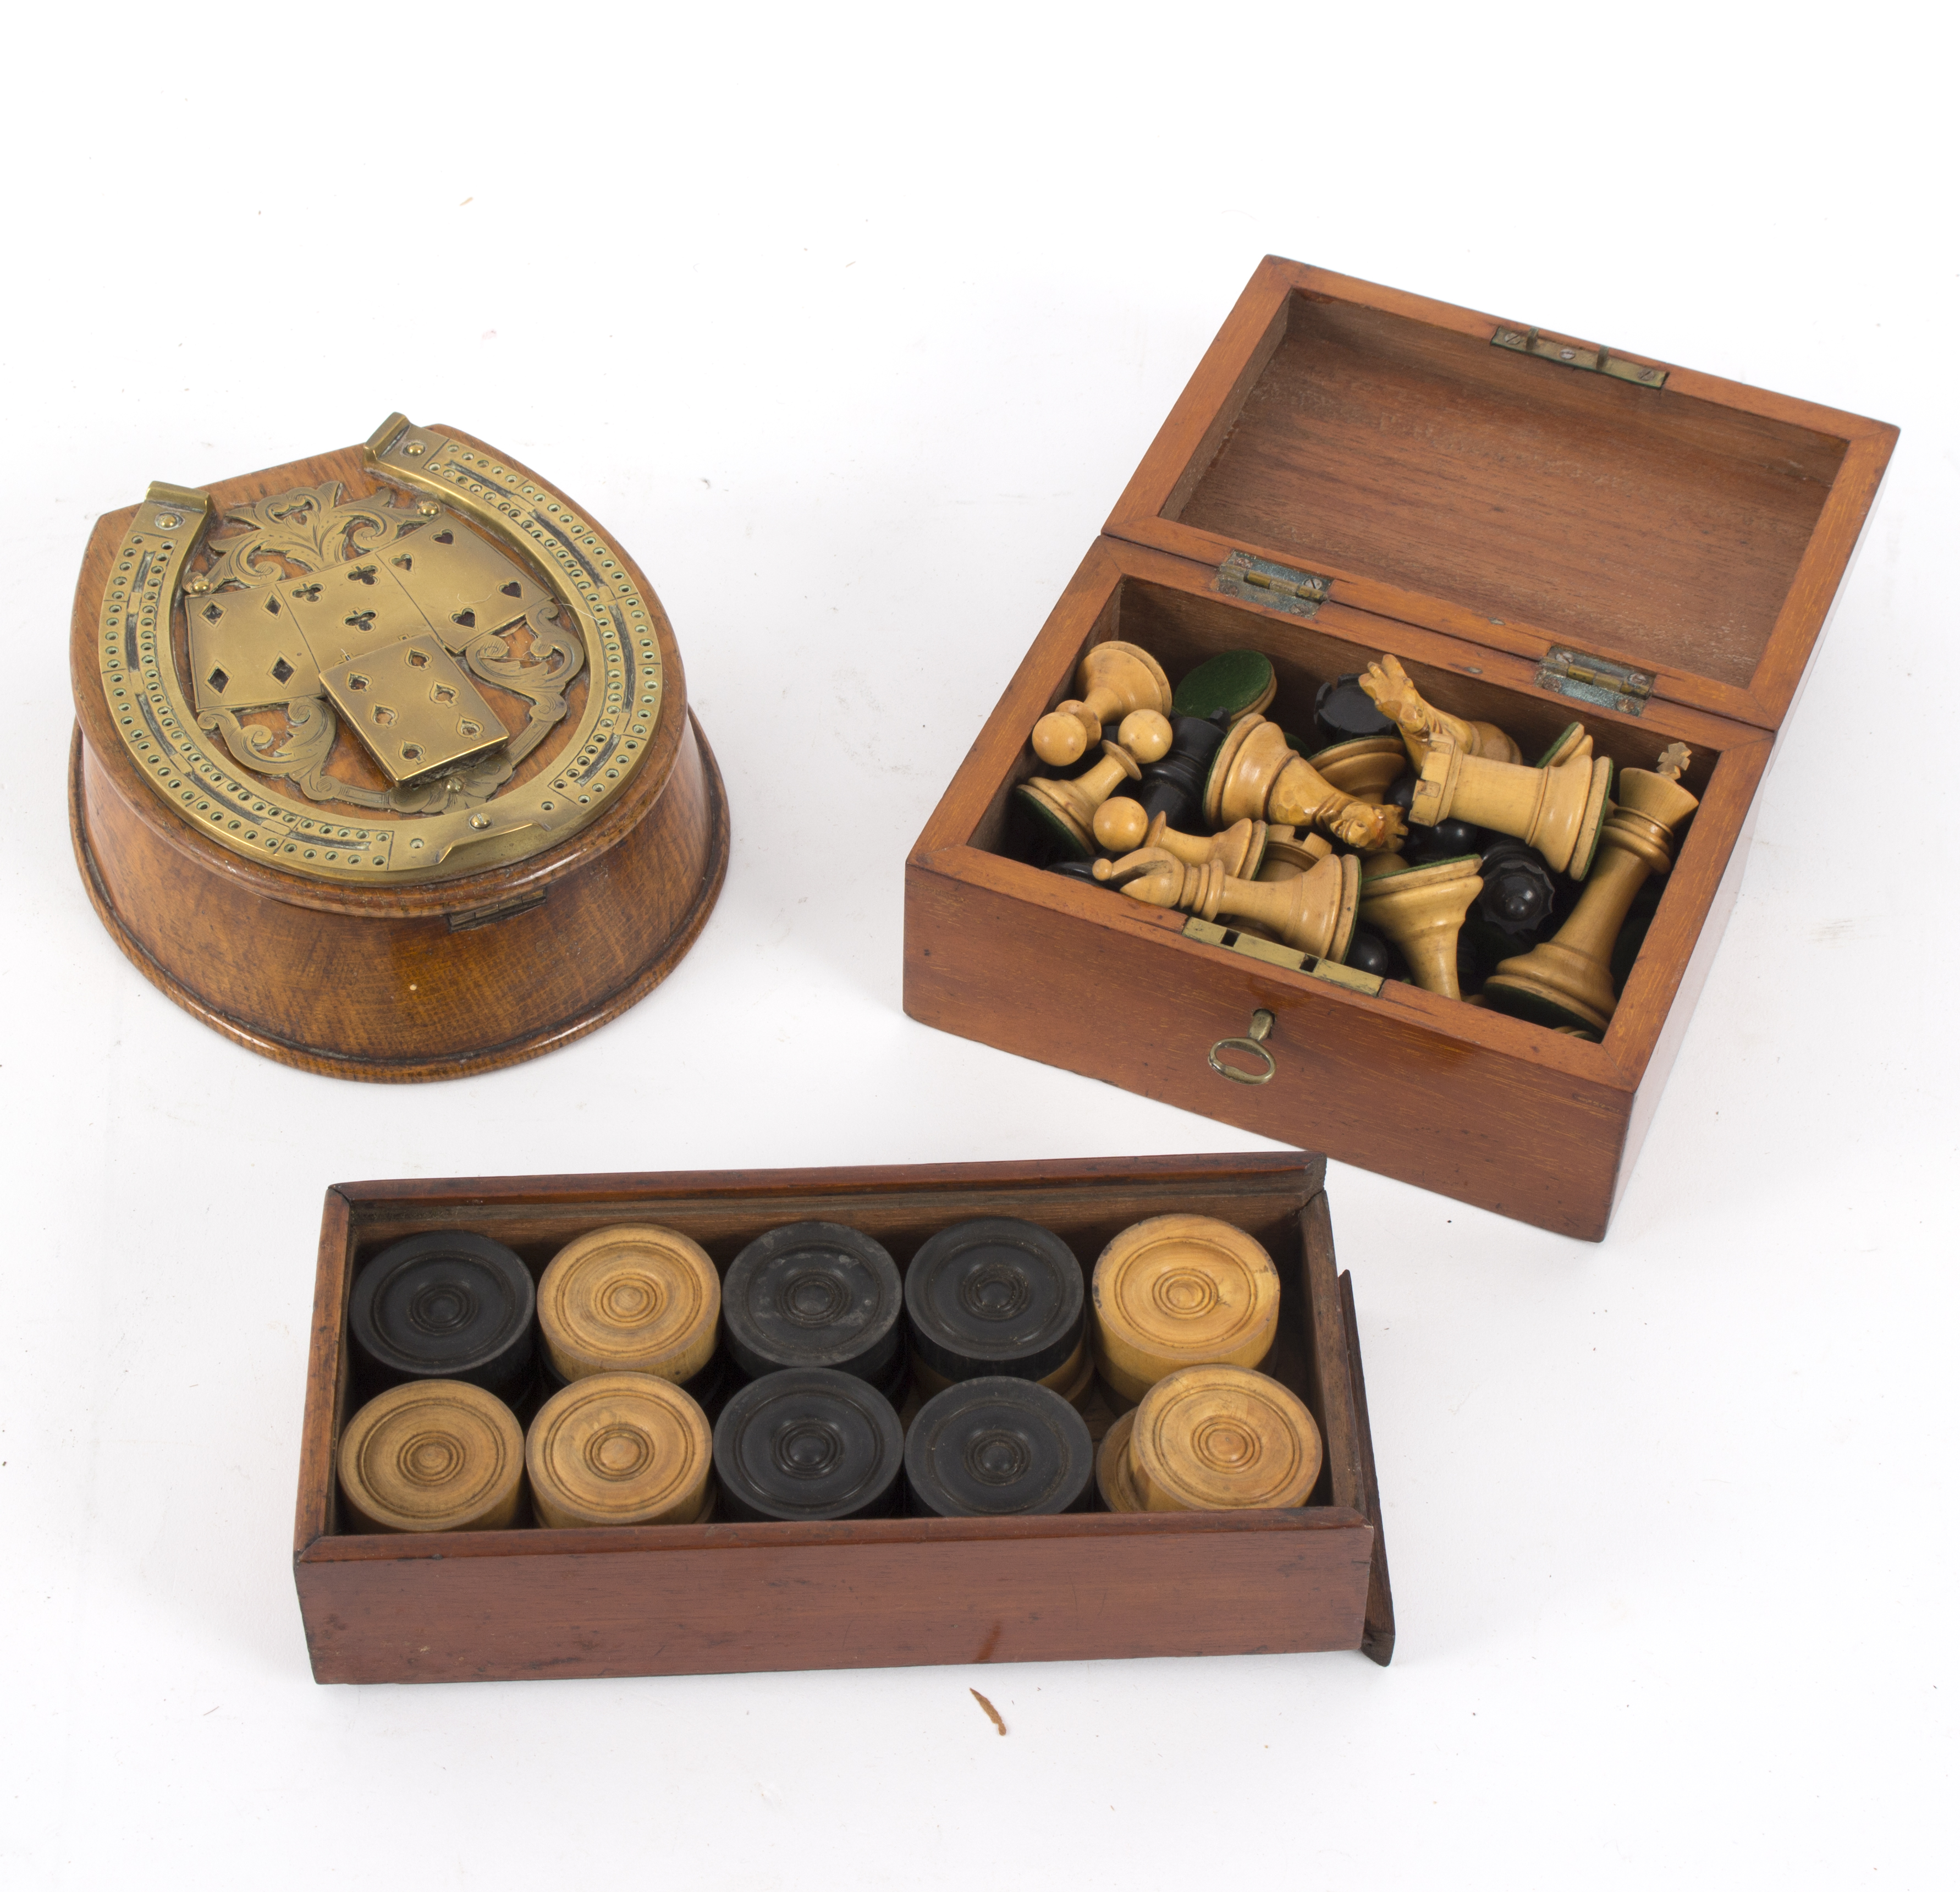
1697, 528
350, 1583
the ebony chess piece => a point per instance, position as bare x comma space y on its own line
1115, 679
1447, 841
1173, 785
1367, 952
1313, 912
1567, 981
1518, 892
1230, 685
1344, 712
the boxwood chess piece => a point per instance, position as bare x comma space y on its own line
1256, 773
1557, 810
1363, 768
1120, 827
1566, 982
1313, 912
1290, 853
1115, 679
1067, 808
1421, 909
1395, 695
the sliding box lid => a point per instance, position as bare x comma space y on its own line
1524, 492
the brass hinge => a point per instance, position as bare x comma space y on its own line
1597, 360
1595, 680
1211, 934
1279, 587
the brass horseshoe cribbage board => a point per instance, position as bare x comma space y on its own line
383, 765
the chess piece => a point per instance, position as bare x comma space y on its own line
809, 1443
1518, 893
1289, 854
619, 1448
446, 1305
1573, 739
1115, 679
1396, 696
1179, 1291
1420, 910
1066, 808
632, 1298
998, 1448
1255, 773
1374, 866
1223, 1439
815, 1293
1446, 841
1232, 684
1343, 712
1558, 810
1313, 912
1122, 827
1173, 785
432, 1455
1368, 953
1567, 981
995, 1296
1363, 768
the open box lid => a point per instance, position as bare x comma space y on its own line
1635, 529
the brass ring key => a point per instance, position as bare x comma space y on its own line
1254, 1043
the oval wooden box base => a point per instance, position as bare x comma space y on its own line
403, 999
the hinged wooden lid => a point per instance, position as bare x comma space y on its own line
1636, 530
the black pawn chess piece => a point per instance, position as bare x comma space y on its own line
1343, 711
1446, 841
1368, 953
1519, 892
1173, 786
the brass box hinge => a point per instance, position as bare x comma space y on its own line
1278, 587
1595, 680
1211, 934
1597, 360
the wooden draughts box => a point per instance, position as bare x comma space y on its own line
694, 1599
1540, 529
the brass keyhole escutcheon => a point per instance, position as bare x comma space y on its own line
1254, 1044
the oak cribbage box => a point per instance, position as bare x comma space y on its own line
1542, 530
714, 1598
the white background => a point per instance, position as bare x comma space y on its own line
851, 325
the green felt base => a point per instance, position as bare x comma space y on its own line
1234, 681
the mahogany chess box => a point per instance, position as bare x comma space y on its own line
1541, 531
722, 1596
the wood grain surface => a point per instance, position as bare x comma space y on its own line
1701, 529
397, 984
715, 1597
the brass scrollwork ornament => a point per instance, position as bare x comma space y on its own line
356, 660
383, 763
